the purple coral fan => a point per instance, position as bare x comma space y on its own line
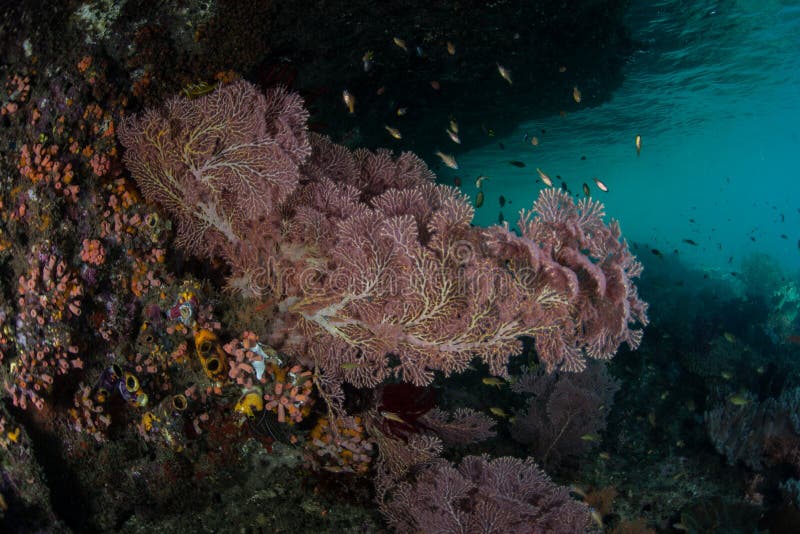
505, 495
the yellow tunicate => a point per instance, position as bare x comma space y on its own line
14, 435
211, 355
204, 341
250, 404
148, 419
131, 382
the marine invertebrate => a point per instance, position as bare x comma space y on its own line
40, 165
48, 296
565, 412
92, 252
166, 422
482, 495
359, 255
347, 448
17, 88
758, 434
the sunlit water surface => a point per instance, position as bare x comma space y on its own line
714, 91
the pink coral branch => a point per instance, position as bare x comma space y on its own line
362, 256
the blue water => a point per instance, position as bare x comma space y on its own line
714, 91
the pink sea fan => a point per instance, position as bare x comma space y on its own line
569, 250
504, 495
603, 267
368, 267
218, 161
461, 427
562, 408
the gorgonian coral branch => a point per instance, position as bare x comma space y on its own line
368, 267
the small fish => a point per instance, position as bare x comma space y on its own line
730, 338
586, 190
498, 411
604, 456
420, 52
576, 94
500, 218
760, 370
656, 252
349, 101
381, 90
516, 163
501, 145
391, 416
562, 69
454, 137
651, 418
502, 201
451, 48
727, 375
394, 132
337, 469
546, 179
479, 181
535, 141
493, 381
366, 59
436, 85
504, 72
400, 43
479, 199
454, 125
638, 144
739, 399
577, 490
690, 405
590, 437
525, 138
196, 90
600, 185
401, 111
597, 518
690, 242
457, 181
447, 159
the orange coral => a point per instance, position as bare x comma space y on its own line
92, 251
40, 164
17, 90
348, 450
84, 63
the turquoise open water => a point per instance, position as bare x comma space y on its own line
714, 91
